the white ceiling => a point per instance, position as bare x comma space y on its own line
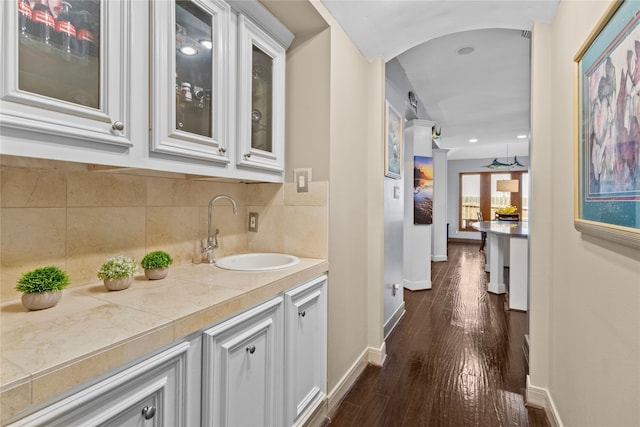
484, 94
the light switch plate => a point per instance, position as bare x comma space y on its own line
253, 221
302, 177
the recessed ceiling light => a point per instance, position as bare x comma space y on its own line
473, 140
188, 50
465, 50
521, 136
206, 43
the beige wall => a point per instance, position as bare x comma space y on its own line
308, 82
585, 317
355, 210
64, 214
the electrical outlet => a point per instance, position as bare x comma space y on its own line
253, 221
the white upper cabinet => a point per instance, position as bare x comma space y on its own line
65, 72
190, 90
261, 98
187, 86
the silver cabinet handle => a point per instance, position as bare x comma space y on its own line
251, 349
302, 313
148, 412
119, 126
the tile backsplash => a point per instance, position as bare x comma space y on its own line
69, 215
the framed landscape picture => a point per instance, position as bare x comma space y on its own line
393, 143
607, 135
422, 190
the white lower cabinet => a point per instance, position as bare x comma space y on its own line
151, 393
268, 366
242, 369
306, 350
265, 367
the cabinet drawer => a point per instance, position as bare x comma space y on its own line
151, 393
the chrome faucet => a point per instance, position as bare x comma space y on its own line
212, 239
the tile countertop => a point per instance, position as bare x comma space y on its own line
92, 331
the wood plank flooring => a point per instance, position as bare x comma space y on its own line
455, 359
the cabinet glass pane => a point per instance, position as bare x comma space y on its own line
261, 100
59, 49
194, 69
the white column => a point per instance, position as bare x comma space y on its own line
496, 263
417, 238
439, 228
518, 273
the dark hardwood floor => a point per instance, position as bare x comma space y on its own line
455, 359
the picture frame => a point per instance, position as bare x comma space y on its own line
607, 128
422, 190
394, 143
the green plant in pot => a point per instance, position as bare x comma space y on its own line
42, 288
156, 264
117, 272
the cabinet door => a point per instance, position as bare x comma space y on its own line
190, 99
151, 393
65, 71
305, 349
242, 369
261, 69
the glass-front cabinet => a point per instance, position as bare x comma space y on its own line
185, 86
261, 98
190, 98
65, 69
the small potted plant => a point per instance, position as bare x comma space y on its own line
117, 272
156, 264
42, 288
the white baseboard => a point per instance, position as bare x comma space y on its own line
377, 356
318, 418
337, 394
370, 355
539, 396
394, 320
439, 258
417, 286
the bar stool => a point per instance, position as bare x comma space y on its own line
483, 234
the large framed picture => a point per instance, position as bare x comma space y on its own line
393, 143
422, 190
607, 134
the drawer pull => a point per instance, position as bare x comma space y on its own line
302, 313
251, 349
148, 412
119, 126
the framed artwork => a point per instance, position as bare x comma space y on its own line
393, 143
422, 190
607, 134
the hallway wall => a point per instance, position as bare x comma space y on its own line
585, 292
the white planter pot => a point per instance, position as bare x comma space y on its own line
156, 273
117, 284
41, 300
